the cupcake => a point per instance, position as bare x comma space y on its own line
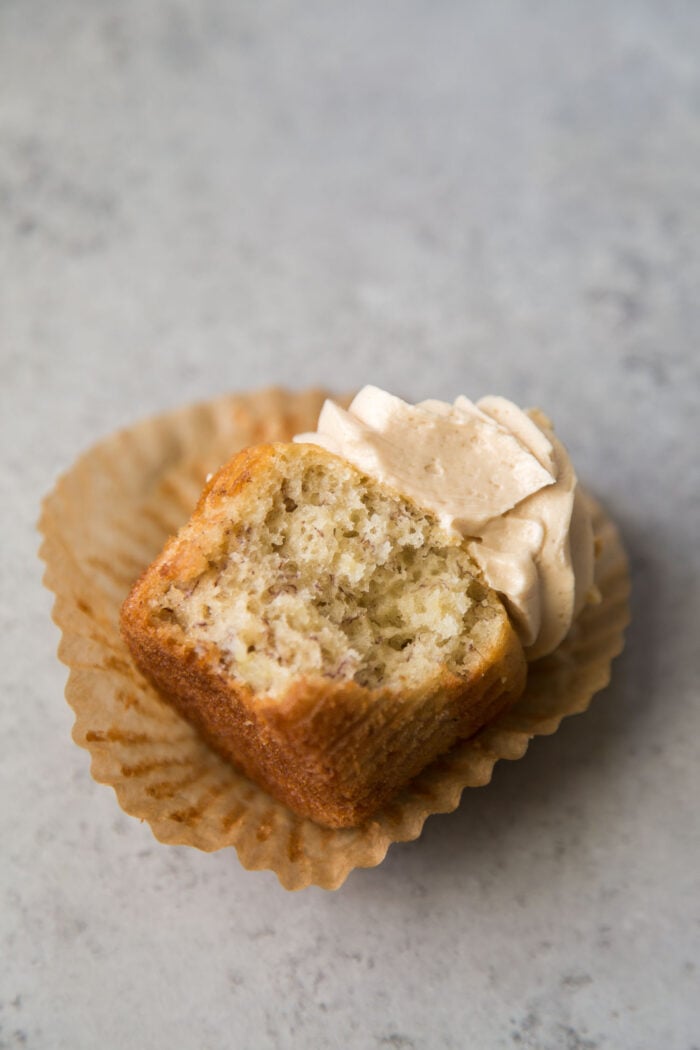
416, 595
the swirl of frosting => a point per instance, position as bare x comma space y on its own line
497, 478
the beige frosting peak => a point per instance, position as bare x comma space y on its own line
495, 476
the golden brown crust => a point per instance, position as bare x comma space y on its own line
333, 751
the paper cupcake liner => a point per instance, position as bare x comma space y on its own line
104, 523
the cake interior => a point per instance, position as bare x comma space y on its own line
327, 573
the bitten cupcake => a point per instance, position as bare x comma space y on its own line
367, 608
340, 611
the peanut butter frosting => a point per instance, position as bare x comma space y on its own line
495, 476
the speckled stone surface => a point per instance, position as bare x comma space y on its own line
439, 198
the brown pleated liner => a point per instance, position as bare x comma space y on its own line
106, 520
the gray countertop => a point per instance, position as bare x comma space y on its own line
437, 198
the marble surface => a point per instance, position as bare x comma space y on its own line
439, 198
